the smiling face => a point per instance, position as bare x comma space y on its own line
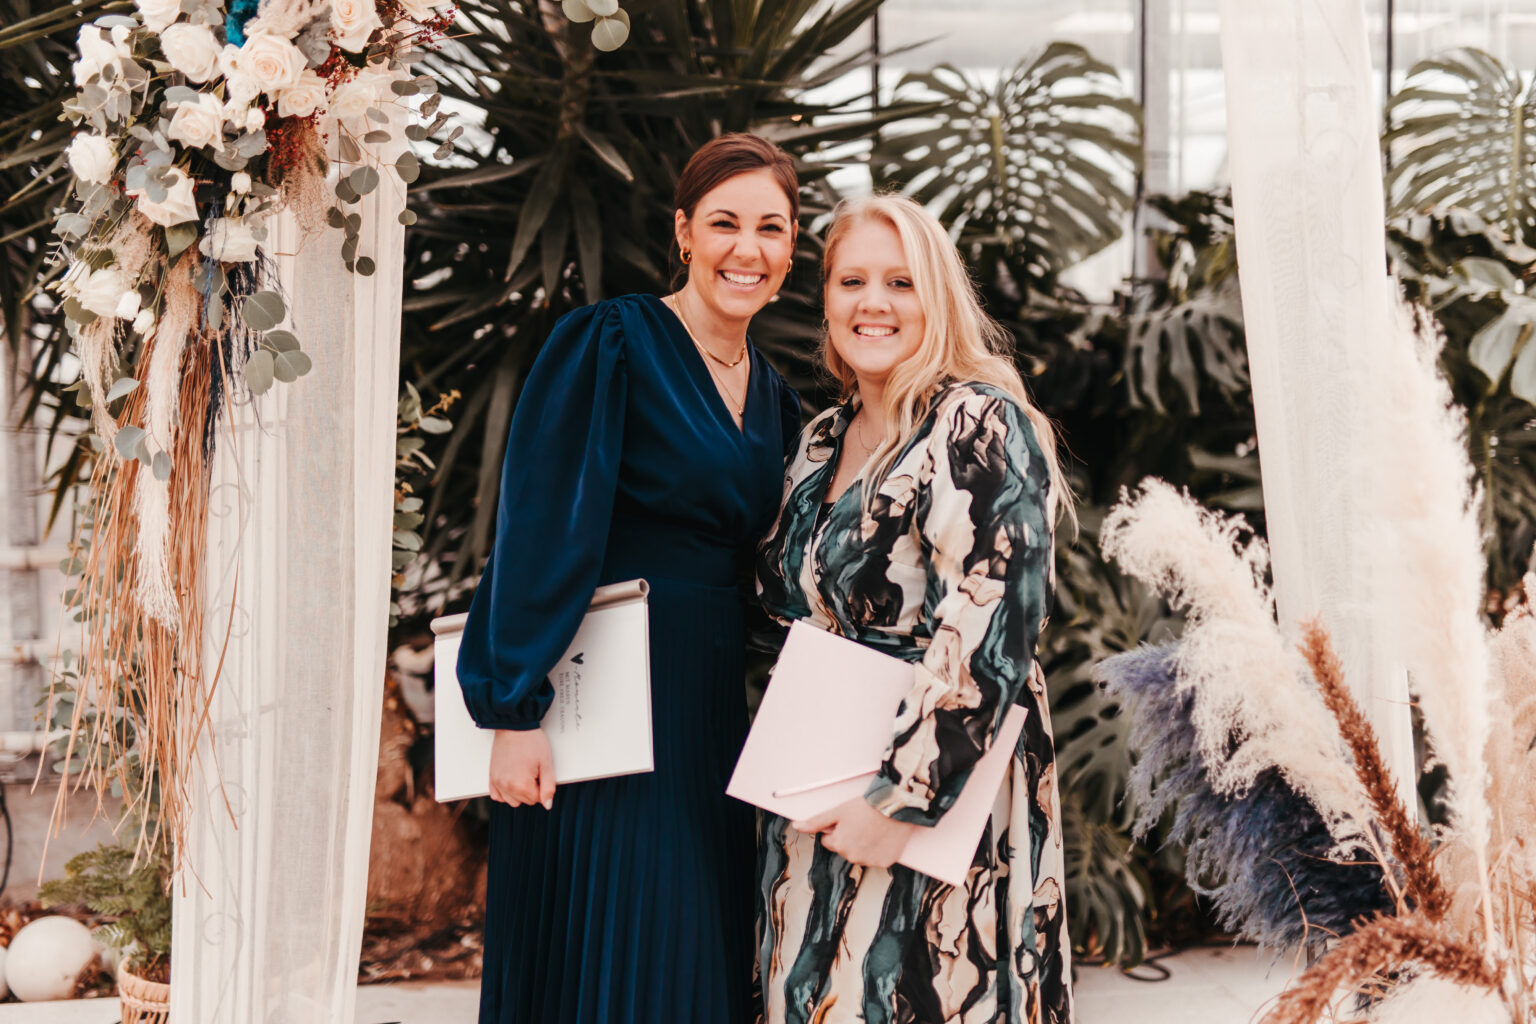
874, 319
742, 237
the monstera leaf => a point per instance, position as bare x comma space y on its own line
1039, 165
1461, 133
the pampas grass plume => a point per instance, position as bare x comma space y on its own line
1249, 683
1432, 1000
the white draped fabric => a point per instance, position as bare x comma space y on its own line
1302, 122
269, 918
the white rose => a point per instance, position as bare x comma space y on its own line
97, 51
240, 183
353, 23
92, 158
199, 124
350, 103
158, 14
102, 291
240, 89
178, 206
304, 98
421, 10
229, 240
272, 61
192, 49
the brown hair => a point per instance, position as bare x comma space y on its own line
728, 155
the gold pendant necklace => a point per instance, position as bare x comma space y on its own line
677, 305
736, 405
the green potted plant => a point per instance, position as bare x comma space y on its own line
134, 894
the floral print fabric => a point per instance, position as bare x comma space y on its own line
949, 567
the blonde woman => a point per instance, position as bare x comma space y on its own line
917, 519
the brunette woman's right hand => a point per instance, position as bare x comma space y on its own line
522, 768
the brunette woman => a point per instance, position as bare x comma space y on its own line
917, 519
648, 443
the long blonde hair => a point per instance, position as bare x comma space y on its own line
960, 341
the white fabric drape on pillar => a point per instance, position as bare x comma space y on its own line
268, 921
1302, 125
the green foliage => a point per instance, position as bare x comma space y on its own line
135, 892
1461, 132
565, 196
1034, 173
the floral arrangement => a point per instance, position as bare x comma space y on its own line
1249, 736
199, 120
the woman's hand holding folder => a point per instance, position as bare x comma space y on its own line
859, 834
522, 768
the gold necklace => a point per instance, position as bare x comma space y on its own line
868, 448
738, 406
677, 306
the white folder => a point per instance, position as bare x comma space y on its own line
822, 730
600, 722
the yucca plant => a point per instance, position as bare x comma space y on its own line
132, 892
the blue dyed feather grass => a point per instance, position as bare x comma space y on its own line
1264, 856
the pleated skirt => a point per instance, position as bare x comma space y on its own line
631, 901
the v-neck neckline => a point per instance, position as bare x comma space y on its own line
844, 417
700, 366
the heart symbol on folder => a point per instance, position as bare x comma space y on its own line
577, 659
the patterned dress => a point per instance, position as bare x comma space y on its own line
951, 571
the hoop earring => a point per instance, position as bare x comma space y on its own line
686, 255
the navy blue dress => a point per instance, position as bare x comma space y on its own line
632, 900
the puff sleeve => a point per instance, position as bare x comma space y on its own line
985, 525
558, 484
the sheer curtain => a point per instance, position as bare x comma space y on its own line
268, 920
1306, 168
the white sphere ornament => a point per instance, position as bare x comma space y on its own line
47, 957
603, 8
578, 11
609, 33
4, 989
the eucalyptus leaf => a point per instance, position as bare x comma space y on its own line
364, 180
365, 266
435, 425
127, 440
161, 466
407, 217
334, 217
408, 167
259, 372
281, 341
407, 87
78, 313
378, 116
263, 311
345, 192
288, 366
376, 137
122, 386
349, 149
416, 132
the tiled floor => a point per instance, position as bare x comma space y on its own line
1203, 986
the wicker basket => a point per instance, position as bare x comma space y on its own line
144, 1002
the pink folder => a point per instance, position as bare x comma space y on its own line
822, 730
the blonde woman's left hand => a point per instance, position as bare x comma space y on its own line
859, 834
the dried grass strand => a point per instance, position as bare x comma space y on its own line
1422, 884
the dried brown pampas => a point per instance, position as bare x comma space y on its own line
1422, 885
1385, 944
130, 660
